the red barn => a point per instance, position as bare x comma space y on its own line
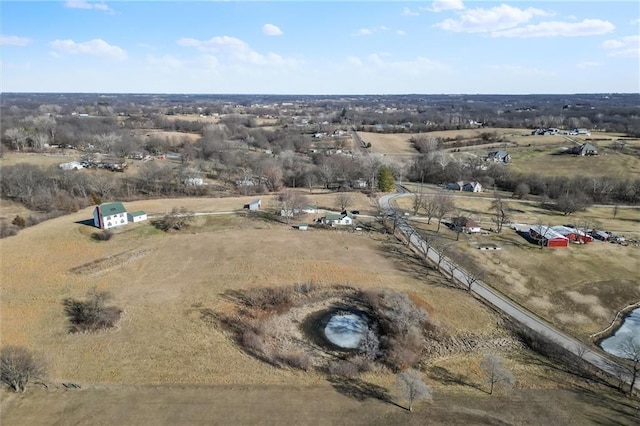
573, 234
548, 236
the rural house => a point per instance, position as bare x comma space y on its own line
466, 225
584, 149
337, 219
498, 157
110, 215
548, 237
465, 186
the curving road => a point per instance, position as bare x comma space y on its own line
509, 307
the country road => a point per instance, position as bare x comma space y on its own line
483, 291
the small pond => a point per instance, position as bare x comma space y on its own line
346, 330
630, 326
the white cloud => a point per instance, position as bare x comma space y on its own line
234, 49
164, 62
625, 47
559, 29
271, 30
83, 4
440, 5
521, 71
635, 21
353, 60
382, 62
408, 12
498, 18
401, 32
14, 41
96, 47
370, 31
588, 64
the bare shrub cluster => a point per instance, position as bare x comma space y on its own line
395, 336
177, 219
91, 314
403, 327
105, 235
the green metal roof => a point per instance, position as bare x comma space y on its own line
334, 216
109, 209
138, 213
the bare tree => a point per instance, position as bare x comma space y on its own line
291, 203
17, 137
344, 200
370, 345
444, 204
430, 205
496, 373
418, 201
18, 366
501, 213
472, 274
178, 218
413, 388
629, 349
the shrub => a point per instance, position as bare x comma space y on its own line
91, 314
253, 341
7, 230
105, 235
343, 369
278, 299
19, 221
299, 360
18, 366
176, 220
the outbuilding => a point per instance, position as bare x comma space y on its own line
135, 217
548, 237
254, 206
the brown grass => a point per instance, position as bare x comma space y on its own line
167, 338
579, 288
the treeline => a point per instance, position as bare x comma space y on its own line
436, 168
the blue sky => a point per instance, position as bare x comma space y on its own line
320, 47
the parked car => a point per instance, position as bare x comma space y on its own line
355, 211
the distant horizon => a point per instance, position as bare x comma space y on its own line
316, 47
321, 94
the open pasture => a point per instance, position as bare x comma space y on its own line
168, 361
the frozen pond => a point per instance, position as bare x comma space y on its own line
630, 327
346, 330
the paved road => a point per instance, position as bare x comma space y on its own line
509, 307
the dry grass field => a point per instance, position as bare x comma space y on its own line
579, 288
53, 158
167, 361
396, 144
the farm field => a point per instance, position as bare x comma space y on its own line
165, 350
579, 288
396, 144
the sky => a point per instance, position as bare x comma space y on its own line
320, 47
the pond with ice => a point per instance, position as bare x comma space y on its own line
346, 330
630, 328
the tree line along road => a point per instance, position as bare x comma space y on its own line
500, 302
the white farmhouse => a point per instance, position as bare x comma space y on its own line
110, 215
